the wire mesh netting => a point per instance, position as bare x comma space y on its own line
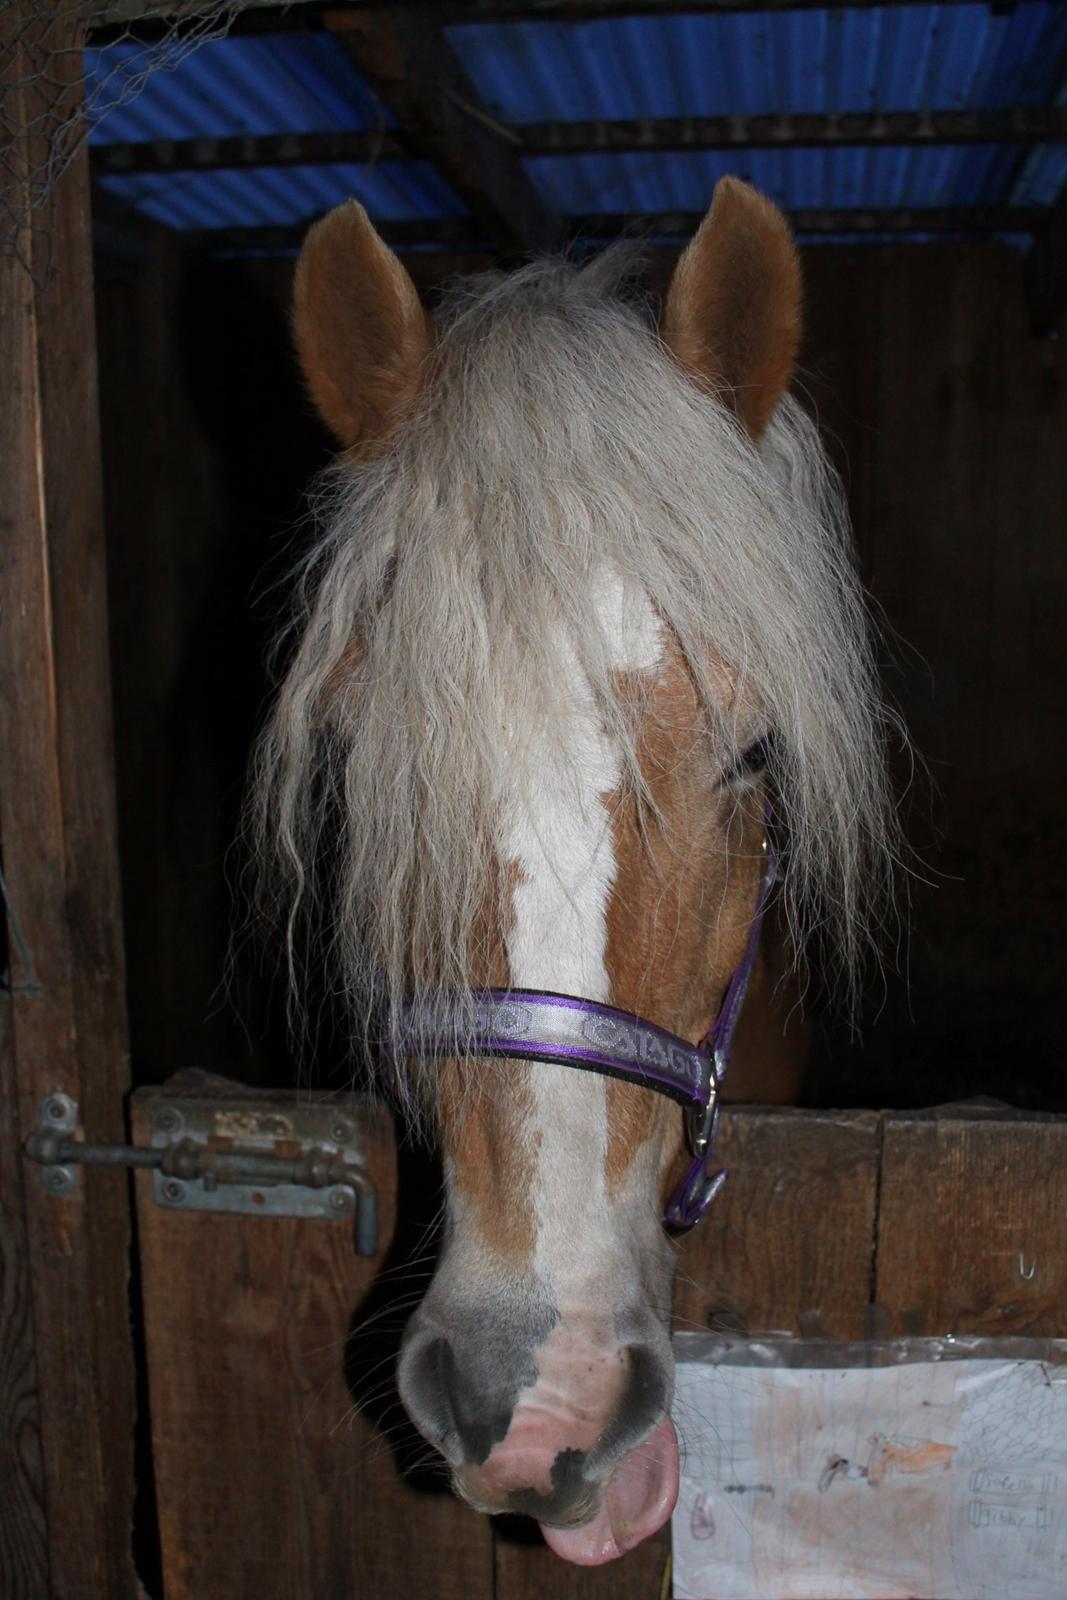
46, 106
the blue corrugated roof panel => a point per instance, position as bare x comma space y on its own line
898, 58
255, 197
281, 83
908, 57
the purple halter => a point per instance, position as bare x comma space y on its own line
537, 1025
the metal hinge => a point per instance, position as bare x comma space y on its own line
305, 1161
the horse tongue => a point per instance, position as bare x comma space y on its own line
637, 1502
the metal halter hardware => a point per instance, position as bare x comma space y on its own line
563, 1030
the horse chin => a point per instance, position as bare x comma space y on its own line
637, 1502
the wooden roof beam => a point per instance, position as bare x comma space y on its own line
356, 147
1047, 125
792, 130
410, 66
458, 234
825, 219
432, 234
110, 13
451, 11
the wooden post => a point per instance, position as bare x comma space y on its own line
66, 1370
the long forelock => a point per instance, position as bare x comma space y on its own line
449, 604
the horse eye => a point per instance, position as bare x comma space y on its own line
748, 763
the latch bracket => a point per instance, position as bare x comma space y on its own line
304, 1160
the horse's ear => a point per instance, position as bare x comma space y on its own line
732, 314
361, 333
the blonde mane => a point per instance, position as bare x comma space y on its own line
556, 439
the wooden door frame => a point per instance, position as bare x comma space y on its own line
66, 1359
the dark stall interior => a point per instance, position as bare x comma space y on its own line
935, 265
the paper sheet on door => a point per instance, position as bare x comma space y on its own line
944, 1480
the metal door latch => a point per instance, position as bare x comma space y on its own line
304, 1160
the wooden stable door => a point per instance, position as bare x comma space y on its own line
273, 1482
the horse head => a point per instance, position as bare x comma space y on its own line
582, 604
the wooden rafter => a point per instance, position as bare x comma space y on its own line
452, 234
587, 10
109, 13
826, 220
1018, 126
357, 147
410, 66
360, 146
432, 233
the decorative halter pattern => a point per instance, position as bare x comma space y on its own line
563, 1030
540, 1025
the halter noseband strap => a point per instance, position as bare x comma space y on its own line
537, 1025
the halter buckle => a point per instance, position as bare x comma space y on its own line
700, 1120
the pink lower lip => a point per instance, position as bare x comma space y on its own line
637, 1502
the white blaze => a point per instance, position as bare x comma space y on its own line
558, 832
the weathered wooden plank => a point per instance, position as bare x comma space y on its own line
23, 1520
410, 64
58, 828
787, 1245
786, 1248
970, 1224
270, 1480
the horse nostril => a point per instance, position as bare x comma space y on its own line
423, 1392
643, 1402
480, 1418
450, 1405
